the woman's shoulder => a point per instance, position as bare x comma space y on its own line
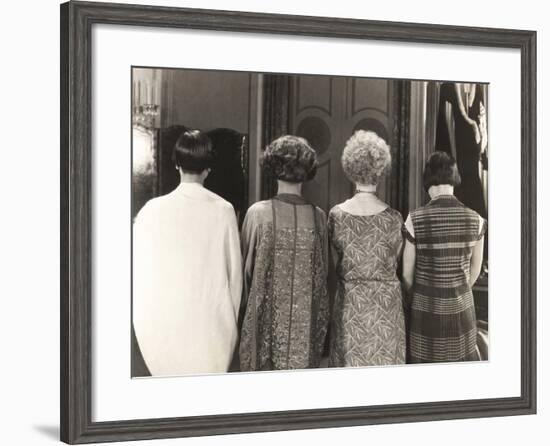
259, 212
155, 206
470, 212
335, 212
342, 209
395, 214
216, 200
420, 210
198, 194
471, 215
343, 206
220, 206
259, 207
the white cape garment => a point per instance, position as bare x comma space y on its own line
187, 281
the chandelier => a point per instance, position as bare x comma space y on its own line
144, 108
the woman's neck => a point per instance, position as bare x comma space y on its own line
284, 187
364, 202
186, 177
365, 188
440, 189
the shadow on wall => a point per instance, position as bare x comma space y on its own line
48, 431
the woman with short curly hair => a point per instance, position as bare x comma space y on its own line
284, 246
366, 241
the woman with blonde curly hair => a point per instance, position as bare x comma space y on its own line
365, 234
285, 250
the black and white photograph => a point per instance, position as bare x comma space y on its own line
286, 221
281, 221
275, 223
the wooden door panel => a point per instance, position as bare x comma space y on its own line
327, 111
369, 94
314, 116
318, 190
313, 92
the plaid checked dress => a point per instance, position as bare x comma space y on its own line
442, 314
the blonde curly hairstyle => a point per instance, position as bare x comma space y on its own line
366, 157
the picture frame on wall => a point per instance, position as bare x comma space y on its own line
138, 81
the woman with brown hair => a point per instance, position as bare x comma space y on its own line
284, 246
441, 262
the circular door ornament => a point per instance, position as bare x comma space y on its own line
317, 133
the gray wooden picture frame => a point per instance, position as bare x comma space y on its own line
77, 19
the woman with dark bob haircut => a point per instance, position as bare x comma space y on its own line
441, 262
193, 152
284, 246
187, 277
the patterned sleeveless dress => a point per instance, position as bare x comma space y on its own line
368, 322
442, 314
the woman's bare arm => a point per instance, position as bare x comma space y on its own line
409, 259
476, 261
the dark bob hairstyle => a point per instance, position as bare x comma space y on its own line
193, 152
441, 169
290, 158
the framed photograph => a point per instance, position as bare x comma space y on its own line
275, 222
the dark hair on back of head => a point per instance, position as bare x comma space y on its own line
290, 158
193, 151
441, 169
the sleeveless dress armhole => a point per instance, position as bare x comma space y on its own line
408, 235
405, 230
483, 230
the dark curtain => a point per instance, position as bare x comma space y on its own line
432, 112
458, 140
275, 120
229, 175
399, 189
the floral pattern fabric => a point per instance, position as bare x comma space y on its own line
368, 324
